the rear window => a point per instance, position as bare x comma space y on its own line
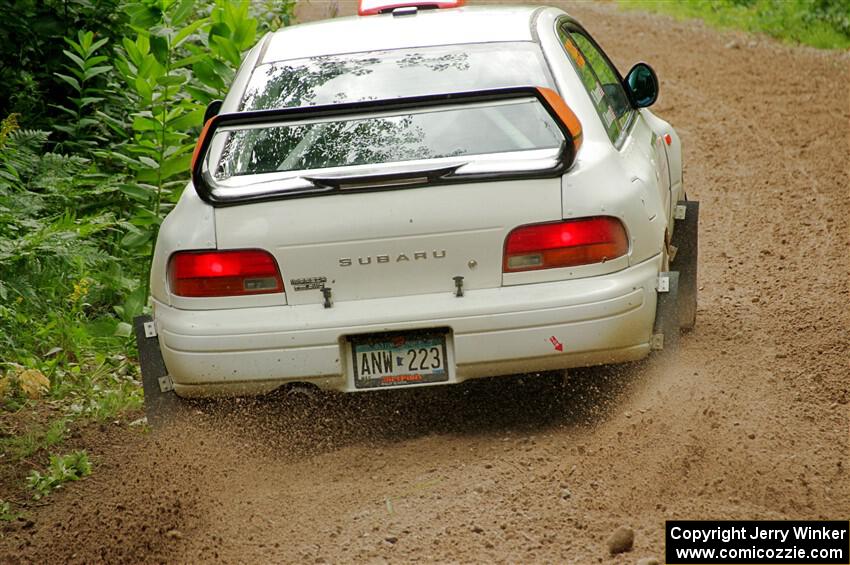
389, 137
379, 75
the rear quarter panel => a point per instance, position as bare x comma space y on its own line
190, 225
606, 180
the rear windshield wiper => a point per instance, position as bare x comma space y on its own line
402, 176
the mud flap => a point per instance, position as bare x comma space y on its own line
665, 332
686, 241
161, 403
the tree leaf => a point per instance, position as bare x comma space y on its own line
98, 44
223, 70
70, 80
80, 63
88, 100
143, 123
227, 49
159, 48
205, 72
244, 33
188, 120
86, 38
94, 71
136, 192
134, 303
123, 329
96, 60
143, 89
143, 16
183, 11
143, 43
187, 31
148, 162
132, 51
176, 165
220, 29
190, 60
171, 80
134, 240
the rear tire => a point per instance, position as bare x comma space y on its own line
686, 241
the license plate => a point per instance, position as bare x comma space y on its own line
399, 359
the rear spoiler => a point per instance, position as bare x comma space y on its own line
549, 99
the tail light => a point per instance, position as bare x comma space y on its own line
565, 244
224, 273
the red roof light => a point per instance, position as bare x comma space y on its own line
371, 7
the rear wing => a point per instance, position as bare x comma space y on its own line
360, 178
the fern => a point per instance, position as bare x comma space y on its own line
48, 242
19, 156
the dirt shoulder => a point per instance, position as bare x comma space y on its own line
752, 421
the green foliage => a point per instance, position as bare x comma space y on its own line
176, 64
80, 208
231, 31
52, 240
819, 23
34, 440
7, 514
31, 44
62, 469
274, 14
82, 73
103, 392
101, 107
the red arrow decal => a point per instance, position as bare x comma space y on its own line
558, 345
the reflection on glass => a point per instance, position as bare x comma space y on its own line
433, 133
643, 85
394, 73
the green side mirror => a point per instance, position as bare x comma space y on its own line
642, 85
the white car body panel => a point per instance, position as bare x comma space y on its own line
399, 242
190, 225
504, 323
471, 24
496, 331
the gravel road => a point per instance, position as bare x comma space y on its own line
750, 422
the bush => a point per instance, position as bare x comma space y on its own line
106, 99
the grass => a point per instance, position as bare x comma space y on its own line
39, 414
95, 404
91, 393
33, 428
23, 446
819, 23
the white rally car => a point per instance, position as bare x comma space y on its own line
420, 195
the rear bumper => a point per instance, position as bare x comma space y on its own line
605, 319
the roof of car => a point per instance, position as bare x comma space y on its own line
472, 24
